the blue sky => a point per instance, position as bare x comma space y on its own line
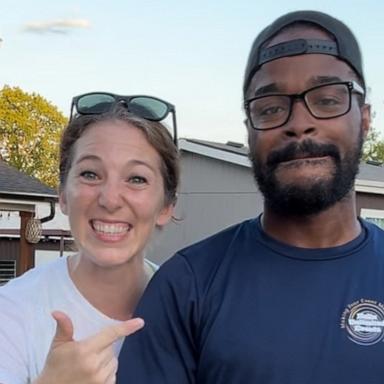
192, 54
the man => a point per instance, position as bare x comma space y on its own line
297, 294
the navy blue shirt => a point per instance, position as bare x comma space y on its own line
240, 307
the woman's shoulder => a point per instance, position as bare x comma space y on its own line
33, 281
26, 325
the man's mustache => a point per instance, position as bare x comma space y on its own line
307, 148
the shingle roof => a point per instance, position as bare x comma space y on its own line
230, 146
14, 181
371, 172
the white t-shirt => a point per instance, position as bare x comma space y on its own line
27, 327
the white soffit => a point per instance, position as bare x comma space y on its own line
369, 186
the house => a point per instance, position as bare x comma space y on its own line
218, 190
22, 197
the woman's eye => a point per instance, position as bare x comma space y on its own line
137, 180
88, 175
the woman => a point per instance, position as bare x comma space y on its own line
64, 322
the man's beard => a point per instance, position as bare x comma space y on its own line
299, 200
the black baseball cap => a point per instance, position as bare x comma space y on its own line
345, 46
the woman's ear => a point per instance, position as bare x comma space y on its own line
165, 215
63, 201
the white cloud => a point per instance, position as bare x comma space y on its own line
56, 26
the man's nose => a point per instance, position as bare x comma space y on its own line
300, 122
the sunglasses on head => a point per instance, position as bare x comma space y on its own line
148, 107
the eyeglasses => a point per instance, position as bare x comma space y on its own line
148, 107
323, 102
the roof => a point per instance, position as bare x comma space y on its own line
20, 185
231, 152
370, 178
229, 146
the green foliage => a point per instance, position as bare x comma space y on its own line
30, 129
373, 147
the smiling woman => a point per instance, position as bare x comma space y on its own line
64, 322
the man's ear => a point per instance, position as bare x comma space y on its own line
366, 119
63, 201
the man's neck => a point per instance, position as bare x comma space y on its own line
332, 227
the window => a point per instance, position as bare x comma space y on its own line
7, 270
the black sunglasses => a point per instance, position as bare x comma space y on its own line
148, 107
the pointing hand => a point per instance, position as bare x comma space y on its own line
90, 361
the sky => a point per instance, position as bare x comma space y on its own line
190, 53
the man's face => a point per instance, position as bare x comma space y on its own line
308, 164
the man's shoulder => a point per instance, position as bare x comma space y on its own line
201, 261
217, 245
373, 229
222, 237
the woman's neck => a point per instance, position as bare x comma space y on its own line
114, 291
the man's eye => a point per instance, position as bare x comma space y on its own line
270, 111
327, 101
88, 175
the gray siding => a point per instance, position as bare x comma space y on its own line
208, 175
369, 201
213, 195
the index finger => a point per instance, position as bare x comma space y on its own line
110, 334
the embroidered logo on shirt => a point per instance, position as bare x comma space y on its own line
364, 322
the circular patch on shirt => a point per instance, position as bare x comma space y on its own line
364, 322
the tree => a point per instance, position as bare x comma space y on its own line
373, 147
30, 129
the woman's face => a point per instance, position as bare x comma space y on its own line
114, 193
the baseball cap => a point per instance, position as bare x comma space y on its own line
345, 46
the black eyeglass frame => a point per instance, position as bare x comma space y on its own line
352, 86
125, 100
